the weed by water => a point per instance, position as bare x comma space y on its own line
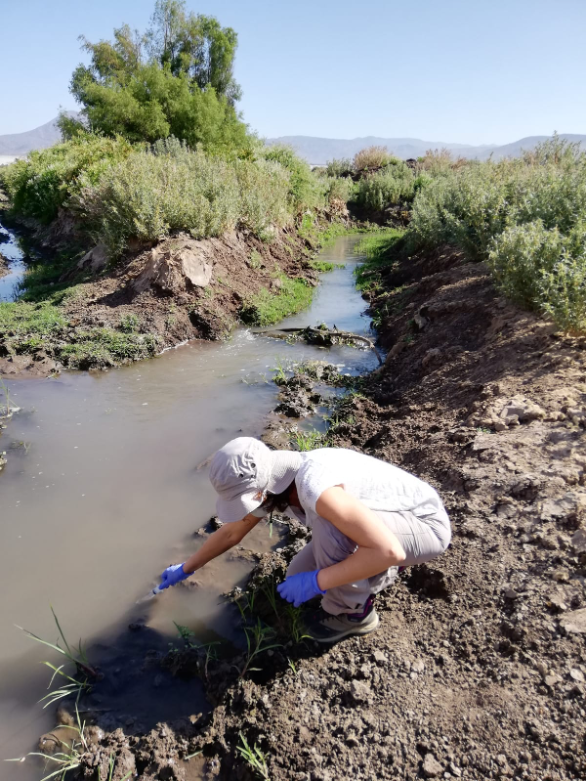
129, 323
208, 649
76, 656
254, 757
306, 440
265, 308
62, 762
259, 640
296, 626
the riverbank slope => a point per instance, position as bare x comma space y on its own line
477, 669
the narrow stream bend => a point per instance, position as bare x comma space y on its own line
101, 492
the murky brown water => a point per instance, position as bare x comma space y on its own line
101, 493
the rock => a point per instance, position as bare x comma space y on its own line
195, 269
522, 409
174, 268
578, 540
96, 259
379, 657
361, 692
576, 675
431, 767
552, 680
418, 666
574, 622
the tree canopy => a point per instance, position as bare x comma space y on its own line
174, 80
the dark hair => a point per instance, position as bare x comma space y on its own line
278, 502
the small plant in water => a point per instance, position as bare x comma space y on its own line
254, 757
75, 656
61, 763
306, 440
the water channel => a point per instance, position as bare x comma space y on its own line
102, 491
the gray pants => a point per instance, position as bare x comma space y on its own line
421, 538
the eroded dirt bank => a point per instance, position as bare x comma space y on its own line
477, 670
155, 297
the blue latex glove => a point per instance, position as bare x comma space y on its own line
300, 588
173, 575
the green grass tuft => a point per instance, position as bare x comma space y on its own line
266, 308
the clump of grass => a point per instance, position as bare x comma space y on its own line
379, 249
61, 763
254, 757
306, 440
371, 158
265, 308
75, 656
255, 259
106, 347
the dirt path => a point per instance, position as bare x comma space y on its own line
477, 670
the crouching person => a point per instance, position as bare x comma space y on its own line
367, 518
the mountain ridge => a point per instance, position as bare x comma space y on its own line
316, 150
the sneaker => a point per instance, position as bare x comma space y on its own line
325, 628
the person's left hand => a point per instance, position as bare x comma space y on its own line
173, 575
300, 588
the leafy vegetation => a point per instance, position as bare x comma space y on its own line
386, 187
305, 190
266, 308
174, 80
254, 757
27, 328
371, 158
171, 188
75, 657
39, 185
525, 216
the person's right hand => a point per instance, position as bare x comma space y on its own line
173, 575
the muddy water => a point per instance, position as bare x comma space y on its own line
10, 282
102, 492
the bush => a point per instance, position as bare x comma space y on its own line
526, 216
386, 188
39, 185
342, 167
543, 270
306, 191
339, 189
149, 195
371, 158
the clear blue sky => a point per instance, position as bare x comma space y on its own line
468, 71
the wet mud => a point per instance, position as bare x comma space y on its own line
477, 668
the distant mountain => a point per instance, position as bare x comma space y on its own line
39, 138
315, 150
319, 151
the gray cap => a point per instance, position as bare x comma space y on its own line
244, 471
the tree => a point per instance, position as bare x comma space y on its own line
176, 80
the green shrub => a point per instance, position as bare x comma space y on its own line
371, 159
339, 189
342, 167
305, 190
149, 195
543, 270
385, 188
39, 185
527, 216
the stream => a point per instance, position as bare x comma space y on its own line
102, 491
